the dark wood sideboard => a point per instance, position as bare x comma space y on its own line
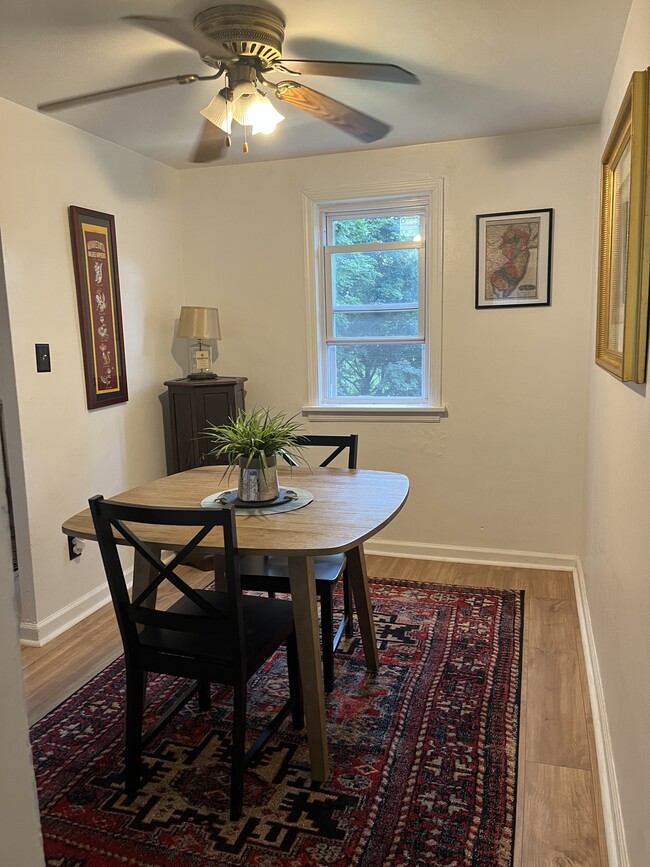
193, 404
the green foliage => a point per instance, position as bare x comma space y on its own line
371, 370
376, 278
255, 436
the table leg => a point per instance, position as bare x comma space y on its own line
303, 594
359, 583
219, 566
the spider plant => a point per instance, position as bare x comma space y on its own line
255, 438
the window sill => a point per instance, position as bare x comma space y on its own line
360, 412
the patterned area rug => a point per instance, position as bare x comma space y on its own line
423, 756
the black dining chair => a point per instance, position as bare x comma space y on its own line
207, 636
271, 574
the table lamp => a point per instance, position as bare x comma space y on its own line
199, 324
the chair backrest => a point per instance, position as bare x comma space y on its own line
111, 517
337, 442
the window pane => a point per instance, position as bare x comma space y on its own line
389, 323
376, 370
382, 277
370, 230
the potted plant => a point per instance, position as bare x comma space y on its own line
253, 441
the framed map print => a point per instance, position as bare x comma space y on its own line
513, 259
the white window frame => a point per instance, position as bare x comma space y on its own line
426, 198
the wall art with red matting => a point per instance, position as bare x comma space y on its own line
94, 252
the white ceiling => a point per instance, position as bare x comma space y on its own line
486, 67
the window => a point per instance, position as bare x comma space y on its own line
375, 303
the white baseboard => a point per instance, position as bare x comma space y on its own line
38, 634
461, 554
612, 813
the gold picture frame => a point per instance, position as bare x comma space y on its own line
624, 253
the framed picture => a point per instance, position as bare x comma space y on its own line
513, 259
98, 296
624, 254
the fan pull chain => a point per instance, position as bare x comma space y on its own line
245, 148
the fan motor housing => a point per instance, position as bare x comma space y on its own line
247, 31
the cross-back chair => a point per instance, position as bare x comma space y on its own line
207, 636
271, 573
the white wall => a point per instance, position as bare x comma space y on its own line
504, 470
616, 542
20, 829
70, 453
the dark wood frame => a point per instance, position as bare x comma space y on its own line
100, 317
543, 259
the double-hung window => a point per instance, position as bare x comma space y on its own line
376, 303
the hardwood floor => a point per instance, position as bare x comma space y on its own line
559, 815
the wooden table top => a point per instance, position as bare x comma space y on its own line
349, 506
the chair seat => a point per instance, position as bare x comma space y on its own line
326, 569
267, 623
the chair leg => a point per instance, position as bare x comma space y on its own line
135, 693
327, 633
204, 695
295, 688
238, 751
347, 604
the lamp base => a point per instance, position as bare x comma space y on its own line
201, 361
209, 375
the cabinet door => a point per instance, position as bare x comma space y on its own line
214, 406
185, 453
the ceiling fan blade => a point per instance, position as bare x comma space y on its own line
354, 122
368, 71
84, 98
211, 144
182, 31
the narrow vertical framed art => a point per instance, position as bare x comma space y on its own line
513, 259
94, 253
624, 251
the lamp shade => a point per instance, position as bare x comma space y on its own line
219, 112
200, 323
254, 109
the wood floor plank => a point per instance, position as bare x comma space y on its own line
53, 672
559, 825
557, 721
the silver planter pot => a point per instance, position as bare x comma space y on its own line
256, 482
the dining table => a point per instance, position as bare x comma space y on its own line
343, 509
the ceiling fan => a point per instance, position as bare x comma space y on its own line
244, 43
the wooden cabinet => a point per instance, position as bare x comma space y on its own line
193, 404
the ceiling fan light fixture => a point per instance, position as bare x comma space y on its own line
219, 112
262, 116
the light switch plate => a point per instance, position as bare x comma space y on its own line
43, 362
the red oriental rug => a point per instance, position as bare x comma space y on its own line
423, 756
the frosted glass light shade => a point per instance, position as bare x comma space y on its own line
248, 107
219, 112
263, 117
254, 109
